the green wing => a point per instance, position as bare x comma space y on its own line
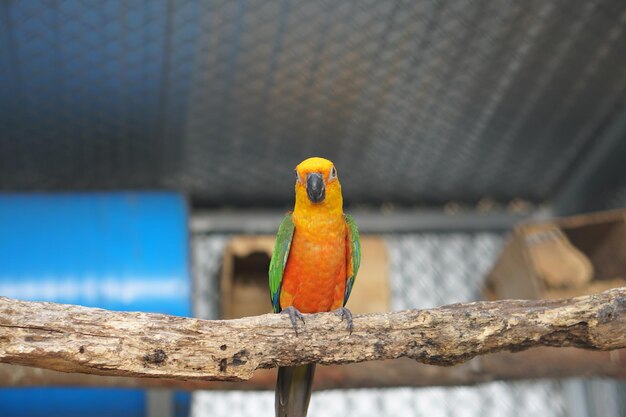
279, 259
354, 255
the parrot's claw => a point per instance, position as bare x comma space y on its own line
294, 314
344, 313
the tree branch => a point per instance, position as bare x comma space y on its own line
71, 338
542, 362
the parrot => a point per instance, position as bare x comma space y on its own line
314, 264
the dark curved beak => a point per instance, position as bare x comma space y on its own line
315, 188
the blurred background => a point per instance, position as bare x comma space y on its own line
137, 138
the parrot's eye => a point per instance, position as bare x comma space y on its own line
297, 176
333, 174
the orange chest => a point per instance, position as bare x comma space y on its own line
318, 258
315, 275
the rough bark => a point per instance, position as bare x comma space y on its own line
543, 362
71, 338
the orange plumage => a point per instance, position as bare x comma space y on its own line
313, 267
315, 275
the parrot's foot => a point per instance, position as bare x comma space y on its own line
344, 313
294, 314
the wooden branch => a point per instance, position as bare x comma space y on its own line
542, 362
71, 338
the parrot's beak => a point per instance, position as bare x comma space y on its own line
315, 188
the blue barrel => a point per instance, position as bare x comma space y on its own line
119, 251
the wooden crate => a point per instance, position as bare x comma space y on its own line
565, 257
244, 278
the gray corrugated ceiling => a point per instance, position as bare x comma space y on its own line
417, 102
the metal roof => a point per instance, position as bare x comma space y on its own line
417, 102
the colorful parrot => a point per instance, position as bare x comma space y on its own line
314, 264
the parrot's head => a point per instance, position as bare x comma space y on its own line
317, 185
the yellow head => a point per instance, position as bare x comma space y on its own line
317, 187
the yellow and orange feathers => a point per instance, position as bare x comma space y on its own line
316, 258
317, 251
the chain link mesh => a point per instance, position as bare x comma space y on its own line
429, 270
207, 252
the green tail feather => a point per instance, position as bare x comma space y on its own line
293, 390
